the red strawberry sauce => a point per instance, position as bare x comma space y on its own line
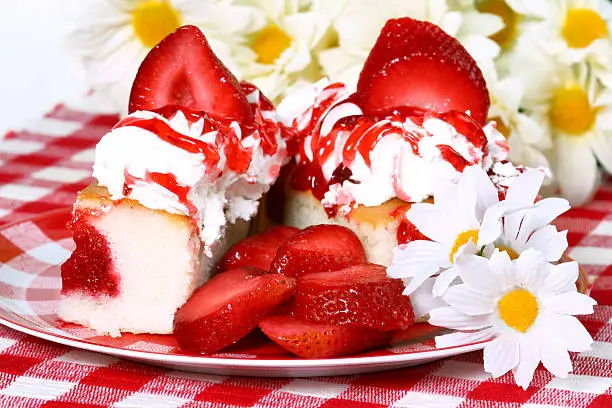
228, 138
89, 269
365, 131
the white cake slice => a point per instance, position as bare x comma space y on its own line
133, 266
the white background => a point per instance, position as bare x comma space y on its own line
36, 68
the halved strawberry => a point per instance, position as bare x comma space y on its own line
415, 63
357, 296
183, 70
319, 248
257, 251
228, 307
316, 340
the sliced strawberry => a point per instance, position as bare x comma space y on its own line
358, 296
415, 63
417, 333
408, 232
319, 248
228, 307
183, 70
316, 340
257, 251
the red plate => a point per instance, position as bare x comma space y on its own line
31, 252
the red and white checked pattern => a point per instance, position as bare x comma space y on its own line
41, 169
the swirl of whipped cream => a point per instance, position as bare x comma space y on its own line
188, 163
405, 153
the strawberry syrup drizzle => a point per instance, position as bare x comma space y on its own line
167, 181
365, 131
238, 157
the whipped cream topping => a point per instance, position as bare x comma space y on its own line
367, 160
188, 163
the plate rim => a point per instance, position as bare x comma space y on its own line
220, 362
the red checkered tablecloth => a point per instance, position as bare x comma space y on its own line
46, 163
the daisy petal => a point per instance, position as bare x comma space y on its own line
570, 331
414, 283
560, 278
463, 338
542, 213
469, 301
550, 242
524, 190
491, 227
416, 258
427, 219
501, 355
512, 226
475, 271
555, 357
576, 168
570, 303
531, 270
444, 280
481, 187
529, 358
602, 148
423, 301
452, 319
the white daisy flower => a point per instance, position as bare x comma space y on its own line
575, 31
464, 218
527, 307
576, 110
516, 16
360, 21
116, 35
528, 225
468, 216
282, 50
527, 138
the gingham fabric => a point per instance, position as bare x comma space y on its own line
45, 164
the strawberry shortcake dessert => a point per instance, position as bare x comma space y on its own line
416, 118
178, 181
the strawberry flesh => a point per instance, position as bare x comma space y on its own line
358, 296
90, 268
257, 251
415, 63
183, 70
228, 307
319, 248
319, 340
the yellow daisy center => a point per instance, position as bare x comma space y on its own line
501, 126
511, 252
269, 43
463, 239
153, 20
570, 110
506, 35
583, 26
518, 309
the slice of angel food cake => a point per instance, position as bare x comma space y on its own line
178, 182
416, 120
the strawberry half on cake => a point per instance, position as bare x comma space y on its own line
178, 181
417, 118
